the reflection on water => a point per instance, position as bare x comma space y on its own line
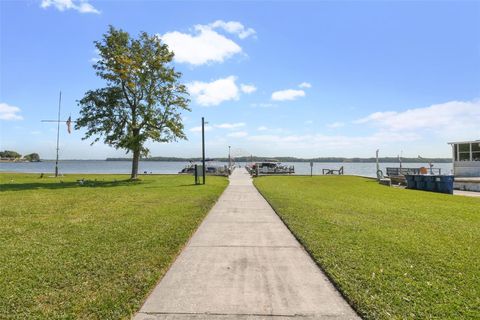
163, 167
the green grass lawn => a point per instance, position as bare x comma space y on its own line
93, 251
394, 253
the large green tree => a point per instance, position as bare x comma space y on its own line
143, 98
10, 154
33, 157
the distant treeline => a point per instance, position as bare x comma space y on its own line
9, 155
293, 159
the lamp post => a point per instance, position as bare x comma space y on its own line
203, 149
229, 158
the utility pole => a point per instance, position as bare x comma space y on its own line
229, 158
203, 149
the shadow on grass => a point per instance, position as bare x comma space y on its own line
169, 186
189, 185
68, 185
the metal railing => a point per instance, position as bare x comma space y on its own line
333, 171
411, 171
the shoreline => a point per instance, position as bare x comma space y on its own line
18, 161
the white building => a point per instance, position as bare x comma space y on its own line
466, 164
466, 158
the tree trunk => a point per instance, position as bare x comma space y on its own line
136, 158
136, 148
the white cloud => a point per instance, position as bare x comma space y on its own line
199, 129
273, 130
233, 27
237, 134
248, 88
215, 92
417, 128
82, 6
289, 94
96, 58
230, 125
206, 45
8, 112
332, 142
335, 125
308, 122
445, 117
85, 7
305, 85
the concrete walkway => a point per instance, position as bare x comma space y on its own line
466, 193
243, 263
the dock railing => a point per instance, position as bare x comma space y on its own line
333, 171
411, 171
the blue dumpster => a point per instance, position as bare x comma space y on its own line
421, 185
418, 177
445, 184
410, 181
430, 183
419, 182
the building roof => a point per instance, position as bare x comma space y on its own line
461, 142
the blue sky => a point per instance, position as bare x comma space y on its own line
304, 79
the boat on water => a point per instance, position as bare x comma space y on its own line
269, 166
212, 167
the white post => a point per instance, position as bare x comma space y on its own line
454, 156
458, 152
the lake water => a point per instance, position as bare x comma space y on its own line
163, 167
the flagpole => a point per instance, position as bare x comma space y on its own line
58, 132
